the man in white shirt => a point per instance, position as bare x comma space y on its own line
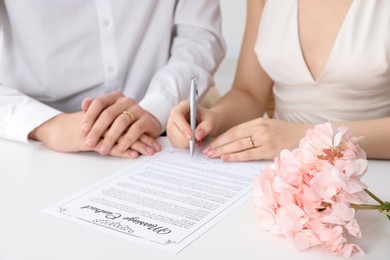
125, 62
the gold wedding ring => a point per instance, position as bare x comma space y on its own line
250, 140
130, 115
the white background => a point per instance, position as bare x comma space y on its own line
233, 23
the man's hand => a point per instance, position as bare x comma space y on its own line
135, 128
62, 133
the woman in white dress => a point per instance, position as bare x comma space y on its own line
323, 61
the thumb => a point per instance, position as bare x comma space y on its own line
203, 130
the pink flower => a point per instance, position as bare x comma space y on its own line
335, 242
341, 214
305, 239
308, 192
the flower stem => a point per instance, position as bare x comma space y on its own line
372, 195
366, 207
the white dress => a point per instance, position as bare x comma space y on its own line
355, 84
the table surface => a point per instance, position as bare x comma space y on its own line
33, 178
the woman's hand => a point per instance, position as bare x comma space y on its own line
179, 130
122, 123
61, 133
259, 139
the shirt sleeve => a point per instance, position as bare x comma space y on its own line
197, 49
19, 114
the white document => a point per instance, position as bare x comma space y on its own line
166, 201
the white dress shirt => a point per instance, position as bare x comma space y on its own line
56, 53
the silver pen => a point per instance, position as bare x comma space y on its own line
193, 100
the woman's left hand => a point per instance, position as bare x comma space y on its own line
259, 139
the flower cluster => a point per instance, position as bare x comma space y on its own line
309, 194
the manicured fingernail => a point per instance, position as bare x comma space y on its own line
210, 152
225, 157
205, 150
199, 135
85, 127
187, 135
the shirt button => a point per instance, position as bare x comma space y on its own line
106, 22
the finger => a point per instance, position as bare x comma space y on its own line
129, 153
235, 133
86, 103
150, 141
142, 148
131, 136
142, 144
97, 106
144, 124
146, 145
176, 137
218, 142
204, 128
208, 123
246, 155
107, 118
235, 146
113, 134
179, 118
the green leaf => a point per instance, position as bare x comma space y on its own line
386, 206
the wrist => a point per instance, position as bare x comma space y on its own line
38, 133
33, 134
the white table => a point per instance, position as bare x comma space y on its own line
33, 177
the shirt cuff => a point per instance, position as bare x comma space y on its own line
27, 119
159, 106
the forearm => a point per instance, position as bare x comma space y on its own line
252, 86
376, 136
197, 49
236, 107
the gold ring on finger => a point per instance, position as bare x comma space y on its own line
130, 115
250, 140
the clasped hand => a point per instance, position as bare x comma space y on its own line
111, 125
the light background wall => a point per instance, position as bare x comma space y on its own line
233, 23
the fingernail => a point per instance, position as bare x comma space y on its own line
121, 148
225, 157
103, 149
210, 152
133, 154
187, 135
156, 147
205, 150
199, 135
89, 142
85, 127
149, 151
